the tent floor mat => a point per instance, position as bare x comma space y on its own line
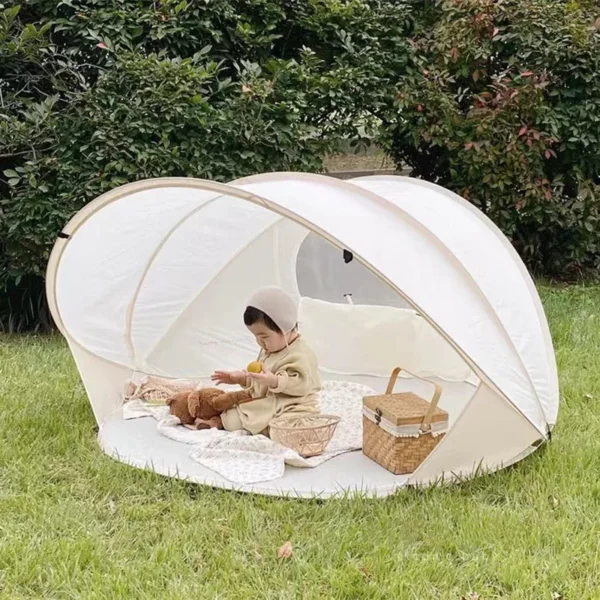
137, 442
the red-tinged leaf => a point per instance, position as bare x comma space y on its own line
526, 73
285, 551
246, 89
553, 153
425, 72
536, 135
419, 107
102, 46
455, 54
476, 75
495, 32
529, 142
523, 130
548, 195
520, 204
547, 154
469, 145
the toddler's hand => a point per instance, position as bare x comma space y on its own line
265, 377
229, 377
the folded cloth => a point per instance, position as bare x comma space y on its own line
134, 409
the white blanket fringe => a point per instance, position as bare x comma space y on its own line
244, 458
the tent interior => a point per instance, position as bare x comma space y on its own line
166, 297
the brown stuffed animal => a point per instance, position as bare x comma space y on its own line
201, 409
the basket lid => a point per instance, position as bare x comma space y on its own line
403, 408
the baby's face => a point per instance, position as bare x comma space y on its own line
266, 338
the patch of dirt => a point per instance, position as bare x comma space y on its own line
338, 163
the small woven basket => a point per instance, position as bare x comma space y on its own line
308, 435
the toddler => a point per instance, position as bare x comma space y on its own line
289, 381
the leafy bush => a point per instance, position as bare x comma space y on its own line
100, 93
502, 105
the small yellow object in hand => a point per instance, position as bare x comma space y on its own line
255, 367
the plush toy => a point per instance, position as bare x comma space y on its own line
201, 409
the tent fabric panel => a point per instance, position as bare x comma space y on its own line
209, 333
103, 381
413, 260
103, 261
373, 340
488, 434
189, 260
552, 383
488, 262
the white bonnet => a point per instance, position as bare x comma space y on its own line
277, 304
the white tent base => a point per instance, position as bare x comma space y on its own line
138, 443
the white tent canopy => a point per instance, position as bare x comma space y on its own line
153, 277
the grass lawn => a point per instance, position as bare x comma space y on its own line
76, 524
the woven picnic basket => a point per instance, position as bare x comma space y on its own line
400, 430
308, 435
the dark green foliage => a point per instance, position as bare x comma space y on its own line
502, 105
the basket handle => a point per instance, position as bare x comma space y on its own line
426, 423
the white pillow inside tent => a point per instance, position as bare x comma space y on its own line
153, 276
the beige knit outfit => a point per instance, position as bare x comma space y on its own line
297, 372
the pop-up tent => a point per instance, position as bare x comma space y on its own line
152, 278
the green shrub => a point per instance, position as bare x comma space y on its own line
502, 105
